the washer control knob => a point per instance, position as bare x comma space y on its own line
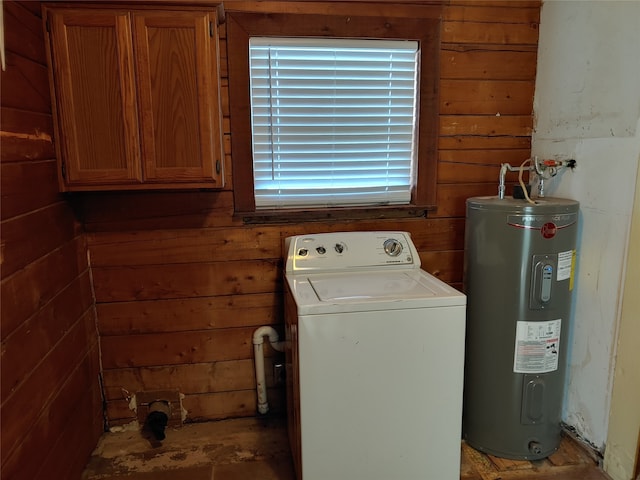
339, 247
321, 250
392, 247
303, 252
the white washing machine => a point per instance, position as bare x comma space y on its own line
375, 354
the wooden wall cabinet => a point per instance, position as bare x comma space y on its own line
136, 98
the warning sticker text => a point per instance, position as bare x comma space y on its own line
537, 346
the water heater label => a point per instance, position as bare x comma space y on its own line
547, 224
565, 265
537, 346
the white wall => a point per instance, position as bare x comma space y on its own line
587, 107
624, 420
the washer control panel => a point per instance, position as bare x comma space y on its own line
350, 250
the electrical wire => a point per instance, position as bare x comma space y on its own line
524, 188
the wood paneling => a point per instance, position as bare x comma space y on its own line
181, 283
28, 237
208, 406
469, 142
199, 313
26, 187
230, 404
452, 197
176, 348
121, 212
487, 62
185, 280
486, 125
419, 9
25, 135
493, 12
207, 386
447, 266
26, 291
31, 342
25, 85
190, 379
37, 402
185, 246
497, 97
89, 415
23, 33
51, 406
476, 166
490, 33
62, 444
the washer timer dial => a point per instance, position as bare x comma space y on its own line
392, 247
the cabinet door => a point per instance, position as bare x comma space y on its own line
178, 92
95, 99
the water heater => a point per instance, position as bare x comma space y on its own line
519, 276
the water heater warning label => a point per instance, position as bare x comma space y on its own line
565, 264
537, 347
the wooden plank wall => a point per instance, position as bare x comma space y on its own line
180, 283
51, 410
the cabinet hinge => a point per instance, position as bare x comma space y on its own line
218, 167
63, 168
220, 13
211, 29
46, 24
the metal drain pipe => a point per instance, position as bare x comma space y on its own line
258, 353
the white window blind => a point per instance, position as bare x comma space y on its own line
333, 121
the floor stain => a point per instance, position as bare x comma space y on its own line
256, 449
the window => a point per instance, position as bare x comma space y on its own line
333, 121
310, 149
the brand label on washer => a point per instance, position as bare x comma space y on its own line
537, 346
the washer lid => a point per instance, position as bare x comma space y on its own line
368, 291
361, 287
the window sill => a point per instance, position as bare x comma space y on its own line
336, 213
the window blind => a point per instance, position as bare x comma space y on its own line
333, 121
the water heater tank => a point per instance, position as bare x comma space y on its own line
519, 278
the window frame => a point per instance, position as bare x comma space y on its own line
241, 26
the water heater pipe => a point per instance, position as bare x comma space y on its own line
544, 169
258, 353
506, 167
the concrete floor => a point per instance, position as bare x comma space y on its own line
258, 449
